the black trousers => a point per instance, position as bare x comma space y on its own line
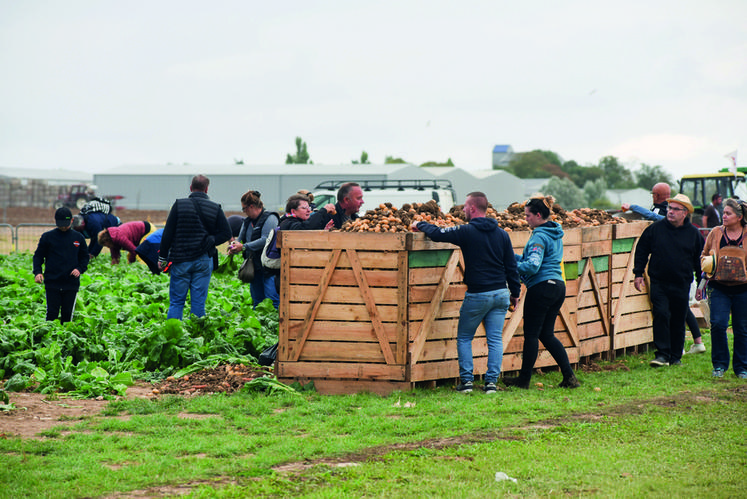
60, 300
541, 307
669, 304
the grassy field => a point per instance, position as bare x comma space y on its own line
629, 431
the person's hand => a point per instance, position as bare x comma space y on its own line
414, 226
330, 225
330, 209
698, 294
514, 302
39, 278
235, 248
625, 206
75, 273
639, 283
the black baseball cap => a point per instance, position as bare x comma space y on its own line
63, 217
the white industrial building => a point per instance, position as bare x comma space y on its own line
155, 187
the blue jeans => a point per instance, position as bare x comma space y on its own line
489, 307
722, 305
263, 286
191, 276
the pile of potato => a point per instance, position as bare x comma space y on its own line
387, 218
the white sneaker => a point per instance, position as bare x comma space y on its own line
697, 348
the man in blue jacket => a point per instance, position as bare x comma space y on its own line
194, 227
492, 285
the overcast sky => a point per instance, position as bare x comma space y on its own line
92, 85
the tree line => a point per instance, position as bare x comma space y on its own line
573, 185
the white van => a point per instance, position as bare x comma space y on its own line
397, 192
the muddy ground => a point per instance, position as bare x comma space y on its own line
35, 413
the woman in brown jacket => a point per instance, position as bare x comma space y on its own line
723, 260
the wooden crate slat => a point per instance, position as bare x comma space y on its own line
342, 311
340, 370
422, 294
342, 294
330, 240
371, 308
338, 351
342, 331
368, 259
313, 307
342, 277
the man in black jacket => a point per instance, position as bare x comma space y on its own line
194, 227
349, 201
492, 281
672, 248
64, 255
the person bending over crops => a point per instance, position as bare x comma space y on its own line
349, 201
258, 224
124, 237
540, 269
492, 285
194, 228
64, 255
90, 224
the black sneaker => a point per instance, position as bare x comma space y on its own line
464, 387
570, 382
516, 381
675, 363
490, 388
658, 362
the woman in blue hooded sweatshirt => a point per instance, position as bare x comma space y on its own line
539, 268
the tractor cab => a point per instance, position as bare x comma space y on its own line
700, 188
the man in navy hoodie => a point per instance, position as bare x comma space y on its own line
64, 255
492, 285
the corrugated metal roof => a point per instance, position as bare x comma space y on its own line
282, 169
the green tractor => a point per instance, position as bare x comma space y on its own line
701, 187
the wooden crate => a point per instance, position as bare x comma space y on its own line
379, 312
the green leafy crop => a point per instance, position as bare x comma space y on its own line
119, 330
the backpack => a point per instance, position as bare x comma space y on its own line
270, 253
97, 205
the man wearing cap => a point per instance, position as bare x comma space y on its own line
671, 247
64, 255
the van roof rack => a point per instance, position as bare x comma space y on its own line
400, 185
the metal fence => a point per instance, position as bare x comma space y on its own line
25, 237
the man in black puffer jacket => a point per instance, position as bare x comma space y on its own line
194, 228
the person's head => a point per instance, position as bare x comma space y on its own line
735, 213
200, 183
79, 223
306, 193
350, 197
716, 199
298, 206
251, 204
105, 239
63, 218
537, 209
660, 192
476, 205
679, 209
